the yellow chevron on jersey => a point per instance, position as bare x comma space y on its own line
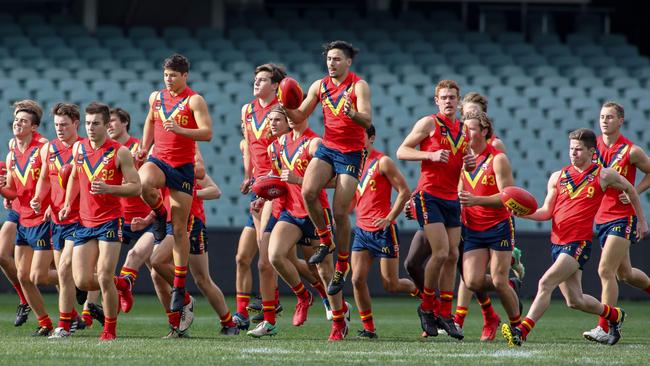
364, 182
164, 116
289, 160
275, 158
456, 142
22, 173
258, 127
93, 171
474, 177
573, 189
335, 105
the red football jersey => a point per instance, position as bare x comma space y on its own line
258, 132
294, 156
25, 168
441, 179
197, 210
133, 206
171, 148
91, 164
616, 157
57, 156
373, 194
341, 132
578, 197
276, 169
483, 182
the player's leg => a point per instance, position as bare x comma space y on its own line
63, 261
246, 250
180, 203
417, 258
340, 308
499, 269
135, 258
109, 254
23, 256
8, 266
633, 276
318, 174
267, 275
361, 262
309, 272
429, 310
152, 179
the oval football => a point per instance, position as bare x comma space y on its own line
270, 187
519, 200
290, 93
64, 174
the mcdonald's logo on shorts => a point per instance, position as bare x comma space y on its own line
110, 234
186, 185
350, 168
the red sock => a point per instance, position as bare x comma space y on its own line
647, 290
110, 324
268, 308
366, 319
603, 324
526, 327
446, 297
45, 321
416, 293
611, 313
300, 291
338, 316
342, 264
19, 291
187, 298
461, 313
159, 207
325, 236
486, 307
74, 313
318, 286
429, 300
226, 320
65, 320
515, 321
129, 274
87, 318
277, 295
121, 283
243, 298
174, 318
180, 272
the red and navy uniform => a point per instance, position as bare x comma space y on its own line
57, 156
249, 221
173, 153
259, 136
294, 155
275, 168
614, 217
485, 227
101, 214
344, 140
196, 225
373, 202
436, 196
25, 168
133, 206
579, 195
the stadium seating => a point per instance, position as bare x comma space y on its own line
539, 85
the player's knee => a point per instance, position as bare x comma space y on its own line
264, 265
243, 260
624, 274
202, 280
340, 217
358, 281
105, 280
473, 283
411, 267
84, 283
390, 284
6, 261
606, 273
309, 195
500, 281
573, 302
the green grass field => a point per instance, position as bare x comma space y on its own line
556, 341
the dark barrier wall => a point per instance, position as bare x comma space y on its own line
222, 248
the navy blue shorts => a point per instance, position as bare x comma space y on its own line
110, 231
180, 179
169, 231
305, 224
249, 222
198, 236
624, 227
38, 237
12, 216
380, 243
342, 163
430, 210
578, 250
129, 236
499, 237
61, 233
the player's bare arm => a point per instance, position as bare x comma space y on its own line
210, 190
203, 121
362, 115
43, 184
72, 189
545, 212
640, 159
131, 180
8, 189
308, 104
408, 150
388, 168
503, 173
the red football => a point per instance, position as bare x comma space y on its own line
290, 93
519, 200
64, 174
270, 187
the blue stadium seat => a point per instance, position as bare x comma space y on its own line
69, 31
24, 73
139, 65
83, 43
49, 41
565, 62
535, 92
28, 52
57, 74
589, 82
576, 72
554, 81
142, 32
569, 92
96, 53
505, 70
108, 31
104, 85
89, 74
519, 81
67, 85
555, 50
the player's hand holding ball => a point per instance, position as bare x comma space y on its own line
439, 156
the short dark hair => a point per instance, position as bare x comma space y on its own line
277, 72
348, 49
587, 136
30, 107
618, 107
370, 131
177, 62
123, 116
67, 109
99, 108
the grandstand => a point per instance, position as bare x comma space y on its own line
540, 85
